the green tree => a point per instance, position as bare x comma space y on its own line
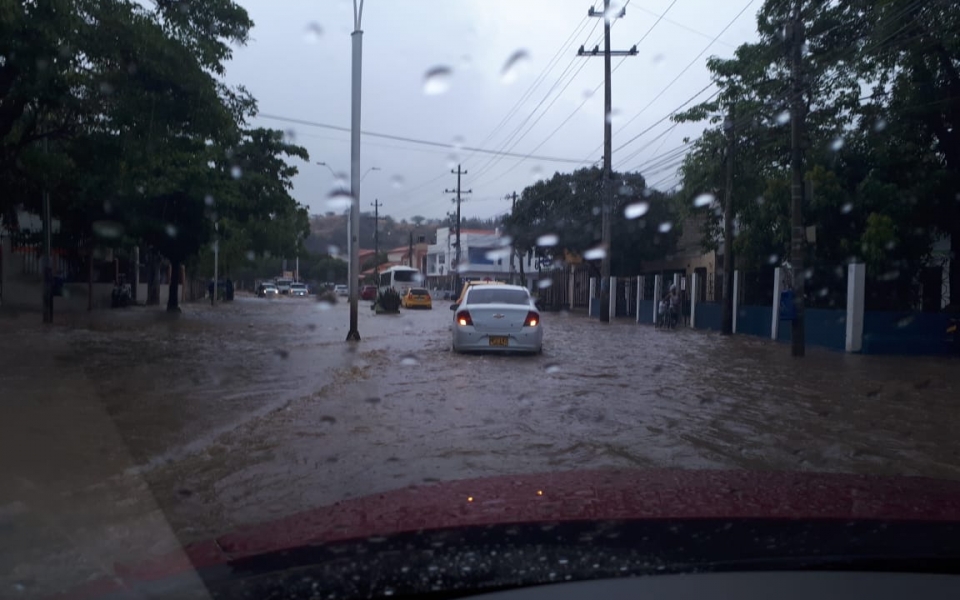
563, 214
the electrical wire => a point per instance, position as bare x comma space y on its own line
412, 140
485, 167
536, 83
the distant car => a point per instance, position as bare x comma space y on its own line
341, 290
298, 289
284, 285
267, 289
499, 318
368, 292
417, 298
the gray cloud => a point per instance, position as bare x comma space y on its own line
296, 73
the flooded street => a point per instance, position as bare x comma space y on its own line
129, 433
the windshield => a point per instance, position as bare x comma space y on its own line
705, 250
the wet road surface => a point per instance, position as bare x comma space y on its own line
128, 433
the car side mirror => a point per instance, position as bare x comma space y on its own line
454, 306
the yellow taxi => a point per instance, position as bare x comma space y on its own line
467, 284
416, 298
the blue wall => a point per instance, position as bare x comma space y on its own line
906, 333
594, 308
754, 320
708, 316
646, 311
823, 327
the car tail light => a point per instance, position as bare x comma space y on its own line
463, 318
532, 320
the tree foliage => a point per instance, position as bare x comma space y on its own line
563, 214
881, 101
118, 110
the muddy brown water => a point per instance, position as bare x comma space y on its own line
128, 433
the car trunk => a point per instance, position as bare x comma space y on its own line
485, 316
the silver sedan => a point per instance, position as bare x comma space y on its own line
499, 318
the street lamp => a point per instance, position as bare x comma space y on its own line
367, 172
353, 335
334, 173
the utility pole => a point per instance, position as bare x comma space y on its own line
458, 172
410, 252
376, 236
513, 247
47, 255
353, 335
607, 189
726, 321
798, 232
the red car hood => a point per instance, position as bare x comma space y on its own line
570, 496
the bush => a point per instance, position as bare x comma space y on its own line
388, 301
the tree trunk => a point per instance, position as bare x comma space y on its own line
954, 270
153, 281
173, 298
523, 276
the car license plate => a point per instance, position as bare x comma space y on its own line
499, 340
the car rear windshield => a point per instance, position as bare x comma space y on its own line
419, 292
497, 296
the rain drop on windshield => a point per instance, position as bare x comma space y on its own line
514, 65
437, 80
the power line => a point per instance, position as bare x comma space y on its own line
680, 25
655, 23
636, 152
413, 140
513, 136
587, 97
689, 65
669, 115
536, 83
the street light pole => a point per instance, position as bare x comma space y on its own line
353, 335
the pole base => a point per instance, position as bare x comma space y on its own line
353, 336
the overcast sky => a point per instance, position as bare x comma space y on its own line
298, 66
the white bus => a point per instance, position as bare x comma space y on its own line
400, 279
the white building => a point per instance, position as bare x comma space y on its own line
485, 253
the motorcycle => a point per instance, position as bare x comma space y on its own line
121, 296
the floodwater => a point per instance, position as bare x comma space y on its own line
129, 433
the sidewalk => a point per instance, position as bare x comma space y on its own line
65, 506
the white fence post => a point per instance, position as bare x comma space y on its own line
612, 300
657, 292
775, 318
856, 281
736, 297
593, 293
694, 286
639, 295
